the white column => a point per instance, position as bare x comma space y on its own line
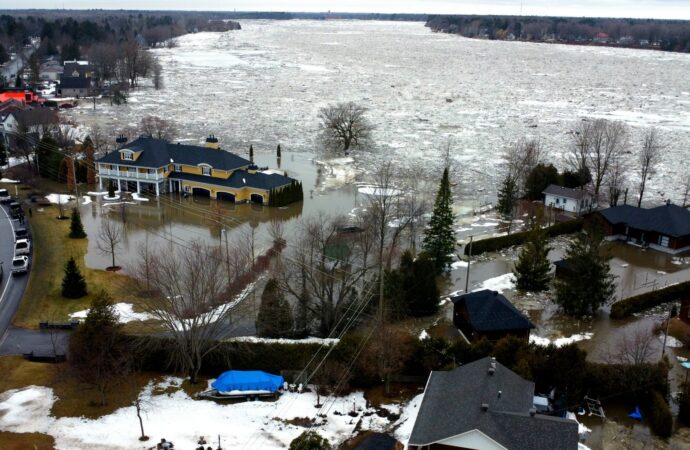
119, 188
170, 186
100, 184
138, 188
157, 190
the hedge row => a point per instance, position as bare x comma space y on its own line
510, 240
660, 417
631, 305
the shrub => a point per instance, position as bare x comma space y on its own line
310, 440
660, 418
631, 305
510, 240
73, 283
76, 229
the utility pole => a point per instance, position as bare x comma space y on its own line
668, 322
227, 251
469, 260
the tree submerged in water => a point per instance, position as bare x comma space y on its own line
439, 237
532, 268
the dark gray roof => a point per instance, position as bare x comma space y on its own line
669, 219
561, 191
74, 83
158, 153
491, 311
377, 441
239, 179
452, 405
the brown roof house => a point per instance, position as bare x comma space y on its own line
488, 314
484, 405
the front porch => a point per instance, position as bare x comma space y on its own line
139, 186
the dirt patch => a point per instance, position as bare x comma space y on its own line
24, 441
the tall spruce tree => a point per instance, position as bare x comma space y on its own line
73, 283
76, 229
532, 268
275, 317
439, 237
507, 196
111, 189
588, 283
251, 152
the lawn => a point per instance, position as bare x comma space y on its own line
52, 248
24, 441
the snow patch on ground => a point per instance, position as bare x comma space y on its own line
139, 198
59, 198
671, 341
308, 340
86, 200
559, 342
7, 180
423, 335
182, 420
378, 191
407, 418
124, 311
500, 283
458, 264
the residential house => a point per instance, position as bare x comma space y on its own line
576, 201
74, 86
484, 405
488, 314
601, 38
8, 126
50, 70
78, 69
664, 228
156, 165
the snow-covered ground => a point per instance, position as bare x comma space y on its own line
561, 341
182, 420
59, 198
500, 283
423, 89
124, 311
307, 340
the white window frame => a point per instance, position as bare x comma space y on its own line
127, 156
205, 168
178, 167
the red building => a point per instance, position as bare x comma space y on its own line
21, 94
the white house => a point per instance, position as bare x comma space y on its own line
576, 201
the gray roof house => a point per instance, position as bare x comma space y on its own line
488, 314
484, 405
576, 201
73, 86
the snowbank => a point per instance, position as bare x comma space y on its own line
423, 335
407, 419
139, 198
560, 342
377, 191
308, 340
86, 200
458, 264
124, 311
671, 341
59, 198
7, 180
182, 420
500, 283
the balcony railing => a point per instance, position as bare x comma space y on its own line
133, 175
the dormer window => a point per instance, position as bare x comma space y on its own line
127, 156
205, 169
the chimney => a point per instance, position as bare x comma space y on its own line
212, 142
485, 407
499, 394
532, 412
121, 139
492, 366
252, 168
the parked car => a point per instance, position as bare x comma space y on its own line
5, 196
22, 247
16, 210
21, 233
20, 264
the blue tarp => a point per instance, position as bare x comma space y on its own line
637, 415
247, 380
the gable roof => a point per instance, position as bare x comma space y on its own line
669, 219
491, 311
159, 153
452, 405
239, 179
74, 82
561, 191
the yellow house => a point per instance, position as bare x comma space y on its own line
156, 165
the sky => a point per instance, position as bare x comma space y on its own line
666, 9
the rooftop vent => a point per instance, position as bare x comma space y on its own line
492, 370
212, 142
532, 412
121, 139
499, 394
485, 407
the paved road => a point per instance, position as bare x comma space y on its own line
11, 288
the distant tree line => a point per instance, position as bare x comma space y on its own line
669, 35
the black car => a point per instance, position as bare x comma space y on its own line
5, 197
16, 210
21, 233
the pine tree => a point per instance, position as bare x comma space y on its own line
275, 317
251, 152
278, 151
589, 283
90, 171
439, 237
421, 292
76, 229
111, 189
3, 154
507, 196
73, 283
532, 268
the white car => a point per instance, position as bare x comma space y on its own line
20, 264
22, 247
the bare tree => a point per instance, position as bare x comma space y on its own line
636, 346
649, 158
157, 74
190, 300
109, 239
597, 144
387, 353
521, 158
157, 127
344, 126
616, 179
686, 190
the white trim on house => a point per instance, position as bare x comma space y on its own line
472, 439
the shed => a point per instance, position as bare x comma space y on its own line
488, 314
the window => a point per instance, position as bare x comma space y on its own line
127, 156
565, 200
178, 168
152, 171
206, 170
558, 201
663, 241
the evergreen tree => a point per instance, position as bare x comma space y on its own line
275, 317
73, 283
18, 81
439, 237
532, 268
90, 161
111, 189
589, 283
3, 154
310, 440
539, 179
251, 152
507, 196
278, 151
411, 290
76, 229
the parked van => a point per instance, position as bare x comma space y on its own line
21, 233
5, 196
